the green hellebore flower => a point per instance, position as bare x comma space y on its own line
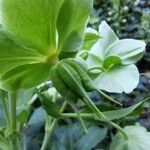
34, 34
115, 60
138, 139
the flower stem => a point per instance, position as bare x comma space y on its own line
5, 108
91, 104
50, 124
108, 97
80, 118
14, 141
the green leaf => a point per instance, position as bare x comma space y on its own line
25, 76
33, 22
71, 24
108, 37
111, 61
120, 113
13, 55
91, 37
129, 50
118, 79
51, 107
24, 101
94, 136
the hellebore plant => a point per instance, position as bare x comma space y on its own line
45, 40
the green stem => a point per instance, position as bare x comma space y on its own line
102, 116
80, 118
74, 115
5, 108
14, 141
108, 97
50, 126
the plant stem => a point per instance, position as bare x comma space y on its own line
91, 104
108, 97
50, 126
80, 118
5, 108
74, 115
90, 116
14, 141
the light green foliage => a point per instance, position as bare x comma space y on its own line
25, 76
44, 25
122, 112
138, 139
72, 21
32, 22
115, 59
13, 55
36, 32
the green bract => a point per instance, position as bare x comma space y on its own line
35, 34
138, 139
115, 60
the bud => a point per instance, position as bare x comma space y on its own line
139, 139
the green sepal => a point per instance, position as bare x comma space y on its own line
111, 61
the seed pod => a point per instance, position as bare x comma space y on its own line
86, 81
61, 87
71, 78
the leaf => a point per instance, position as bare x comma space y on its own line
13, 55
33, 23
129, 50
51, 107
118, 79
120, 113
71, 24
76, 139
24, 98
91, 37
94, 136
108, 37
25, 76
111, 61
